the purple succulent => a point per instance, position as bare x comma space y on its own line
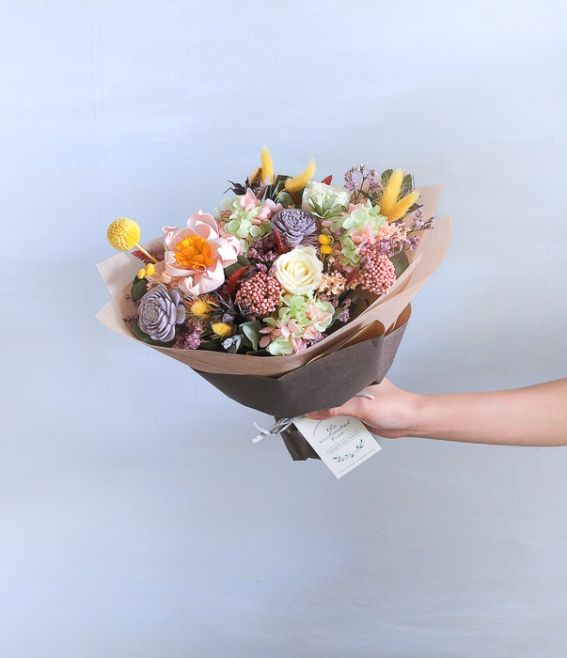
159, 311
296, 227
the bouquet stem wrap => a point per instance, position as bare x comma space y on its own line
327, 381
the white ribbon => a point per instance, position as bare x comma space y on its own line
280, 426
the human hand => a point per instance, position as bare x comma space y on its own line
390, 413
530, 416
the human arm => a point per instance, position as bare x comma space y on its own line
531, 416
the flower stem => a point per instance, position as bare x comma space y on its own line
146, 253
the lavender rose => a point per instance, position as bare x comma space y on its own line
296, 227
159, 311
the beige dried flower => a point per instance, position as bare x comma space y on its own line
332, 284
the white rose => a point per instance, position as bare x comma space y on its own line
299, 270
325, 197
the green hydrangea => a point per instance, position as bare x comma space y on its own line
281, 346
301, 318
366, 217
239, 222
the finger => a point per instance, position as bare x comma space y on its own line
319, 415
354, 407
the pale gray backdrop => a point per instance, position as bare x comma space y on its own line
136, 518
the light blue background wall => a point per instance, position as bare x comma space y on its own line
136, 518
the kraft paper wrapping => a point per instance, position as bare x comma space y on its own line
119, 270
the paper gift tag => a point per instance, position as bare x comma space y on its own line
342, 442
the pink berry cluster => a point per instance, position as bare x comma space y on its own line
377, 273
259, 295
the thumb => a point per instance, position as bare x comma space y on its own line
354, 407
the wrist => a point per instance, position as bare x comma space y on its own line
417, 415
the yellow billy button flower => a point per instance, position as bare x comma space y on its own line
391, 206
325, 244
222, 329
298, 183
124, 234
144, 272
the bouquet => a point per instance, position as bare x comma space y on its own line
292, 295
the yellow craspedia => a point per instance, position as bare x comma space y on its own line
222, 329
124, 233
326, 249
141, 273
324, 239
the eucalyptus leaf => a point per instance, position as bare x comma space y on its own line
139, 289
407, 185
284, 198
231, 269
251, 330
262, 352
337, 314
140, 335
385, 177
400, 262
208, 344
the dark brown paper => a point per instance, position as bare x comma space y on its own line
329, 381
297, 446
326, 382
